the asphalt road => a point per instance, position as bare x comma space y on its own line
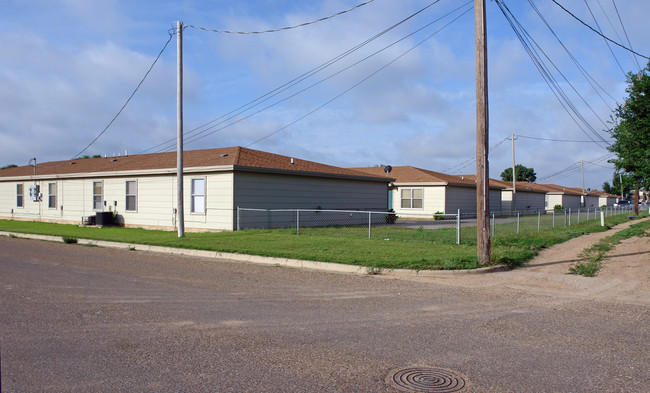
86, 319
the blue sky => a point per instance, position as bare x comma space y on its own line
68, 66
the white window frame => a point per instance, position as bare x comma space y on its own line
127, 195
101, 196
20, 197
410, 198
50, 203
196, 197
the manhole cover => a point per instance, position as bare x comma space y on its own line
426, 380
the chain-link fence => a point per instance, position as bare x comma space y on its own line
436, 228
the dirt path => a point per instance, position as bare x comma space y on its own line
625, 276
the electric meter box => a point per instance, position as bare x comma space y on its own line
34, 191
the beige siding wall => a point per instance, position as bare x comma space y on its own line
156, 200
606, 201
433, 200
572, 202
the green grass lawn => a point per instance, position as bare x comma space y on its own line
419, 249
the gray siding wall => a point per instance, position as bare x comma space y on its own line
274, 191
464, 198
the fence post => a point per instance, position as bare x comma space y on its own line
369, 223
569, 216
297, 221
602, 219
553, 225
564, 217
578, 215
517, 223
539, 219
237, 217
458, 227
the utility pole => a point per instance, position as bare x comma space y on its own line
620, 178
582, 169
180, 216
514, 174
482, 135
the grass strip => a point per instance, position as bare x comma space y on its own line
512, 250
595, 254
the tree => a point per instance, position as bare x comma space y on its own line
615, 188
523, 174
9, 166
631, 132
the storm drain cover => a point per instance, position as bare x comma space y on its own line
426, 380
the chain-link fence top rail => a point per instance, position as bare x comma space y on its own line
433, 228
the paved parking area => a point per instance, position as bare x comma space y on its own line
80, 319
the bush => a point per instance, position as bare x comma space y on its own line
69, 240
392, 217
438, 215
558, 207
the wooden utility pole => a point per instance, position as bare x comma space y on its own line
482, 167
180, 216
514, 174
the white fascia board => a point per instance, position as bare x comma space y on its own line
131, 173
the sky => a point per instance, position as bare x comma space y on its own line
406, 97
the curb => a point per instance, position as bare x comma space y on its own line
274, 261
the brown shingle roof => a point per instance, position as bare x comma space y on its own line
409, 174
554, 188
238, 157
521, 186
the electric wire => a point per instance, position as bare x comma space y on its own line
555, 140
599, 33
204, 134
361, 81
606, 42
130, 97
625, 32
458, 167
548, 77
575, 61
618, 36
204, 128
283, 28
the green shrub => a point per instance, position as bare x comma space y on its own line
438, 215
69, 240
558, 207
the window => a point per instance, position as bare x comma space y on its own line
131, 195
411, 198
51, 199
198, 195
98, 195
20, 194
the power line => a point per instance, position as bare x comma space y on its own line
607, 43
361, 81
129, 99
599, 33
582, 70
625, 32
529, 45
556, 140
282, 28
203, 129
